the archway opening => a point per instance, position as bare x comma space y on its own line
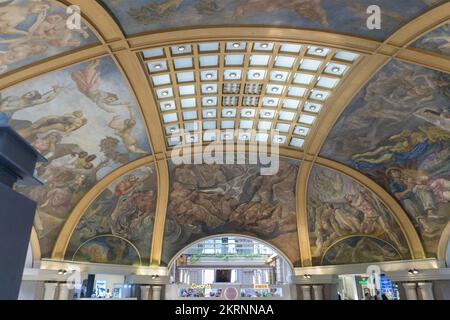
224, 266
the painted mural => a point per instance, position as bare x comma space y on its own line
83, 119
437, 41
360, 250
212, 199
397, 132
126, 209
32, 30
339, 207
137, 16
108, 249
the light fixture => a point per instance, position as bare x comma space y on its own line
165, 93
236, 45
209, 114
275, 89
209, 76
233, 75
279, 76
413, 271
209, 88
181, 48
319, 50
264, 45
245, 136
229, 113
257, 75
248, 113
209, 101
271, 101
319, 95
335, 69
167, 105
157, 66
307, 276
280, 139
226, 136
313, 108
302, 131
60, 271
155, 276
267, 114
172, 129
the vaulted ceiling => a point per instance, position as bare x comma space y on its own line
358, 116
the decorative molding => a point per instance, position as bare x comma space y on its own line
444, 242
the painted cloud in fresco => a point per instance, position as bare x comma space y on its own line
32, 30
437, 41
126, 209
212, 199
397, 131
343, 16
84, 121
360, 250
339, 207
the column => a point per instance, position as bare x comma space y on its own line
426, 289
156, 292
63, 291
306, 290
146, 293
410, 290
318, 292
49, 290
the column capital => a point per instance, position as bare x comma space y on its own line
51, 284
425, 284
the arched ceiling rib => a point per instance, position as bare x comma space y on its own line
124, 50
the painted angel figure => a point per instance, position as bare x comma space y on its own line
88, 81
125, 131
11, 104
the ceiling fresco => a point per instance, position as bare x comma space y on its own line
121, 218
339, 207
84, 120
32, 30
437, 41
397, 132
360, 249
212, 199
137, 16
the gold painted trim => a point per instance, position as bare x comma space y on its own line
69, 226
51, 64
35, 246
419, 26
444, 242
412, 238
302, 212
161, 210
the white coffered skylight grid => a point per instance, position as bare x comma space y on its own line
251, 87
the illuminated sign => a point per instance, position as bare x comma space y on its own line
261, 286
201, 286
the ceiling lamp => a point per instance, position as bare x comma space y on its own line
264, 45
307, 276
248, 113
233, 75
267, 114
319, 50
181, 48
319, 95
279, 76
165, 93
209, 114
173, 129
236, 45
155, 276
209, 88
335, 69
229, 113
157, 66
271, 101
275, 89
413, 271
257, 75
209, 76
210, 101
